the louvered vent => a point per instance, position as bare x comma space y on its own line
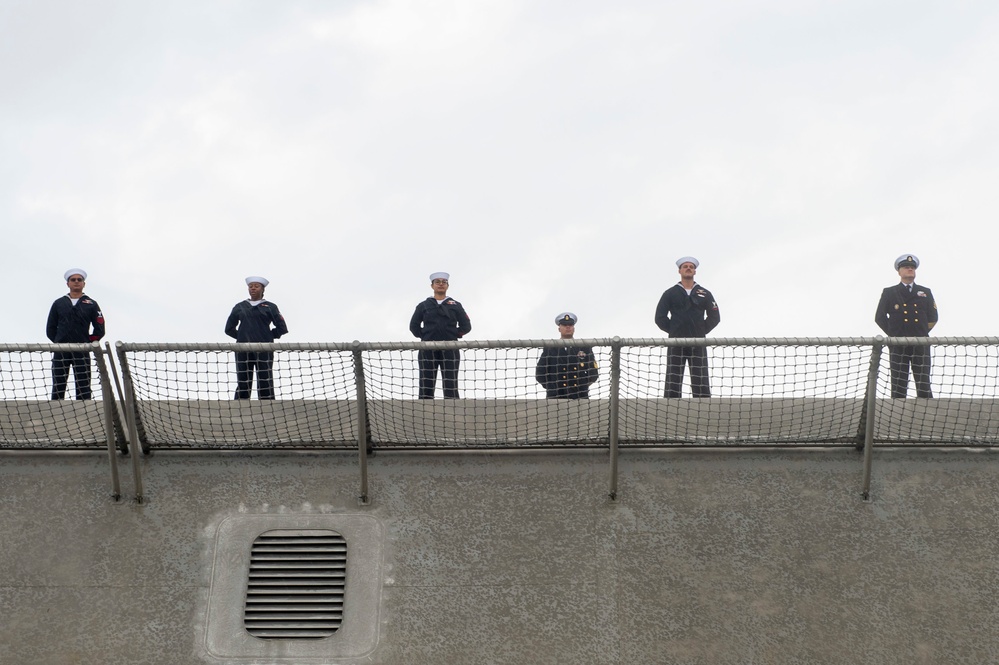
296, 584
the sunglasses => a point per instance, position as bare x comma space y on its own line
76, 279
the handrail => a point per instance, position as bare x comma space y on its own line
865, 429
546, 343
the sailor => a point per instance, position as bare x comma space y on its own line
687, 310
566, 372
439, 318
73, 318
255, 320
907, 309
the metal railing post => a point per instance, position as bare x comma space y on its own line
871, 405
131, 415
120, 404
362, 422
109, 405
615, 401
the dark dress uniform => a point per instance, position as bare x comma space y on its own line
255, 323
566, 372
71, 324
439, 322
687, 316
905, 313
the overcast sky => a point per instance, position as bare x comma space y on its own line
551, 156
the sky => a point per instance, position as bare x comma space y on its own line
551, 155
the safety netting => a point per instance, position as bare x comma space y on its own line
231, 397
934, 392
742, 394
558, 393
438, 396
51, 396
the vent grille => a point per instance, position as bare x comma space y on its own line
296, 584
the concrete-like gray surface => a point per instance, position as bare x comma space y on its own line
243, 423
472, 423
707, 557
469, 423
52, 424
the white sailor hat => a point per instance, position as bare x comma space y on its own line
566, 319
687, 259
440, 275
258, 279
75, 271
907, 260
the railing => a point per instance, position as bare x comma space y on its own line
31, 419
363, 397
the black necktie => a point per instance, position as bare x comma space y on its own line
909, 286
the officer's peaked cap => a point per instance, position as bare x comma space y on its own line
907, 260
566, 319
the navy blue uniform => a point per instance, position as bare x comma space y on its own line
902, 313
255, 323
687, 316
439, 322
567, 372
73, 324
